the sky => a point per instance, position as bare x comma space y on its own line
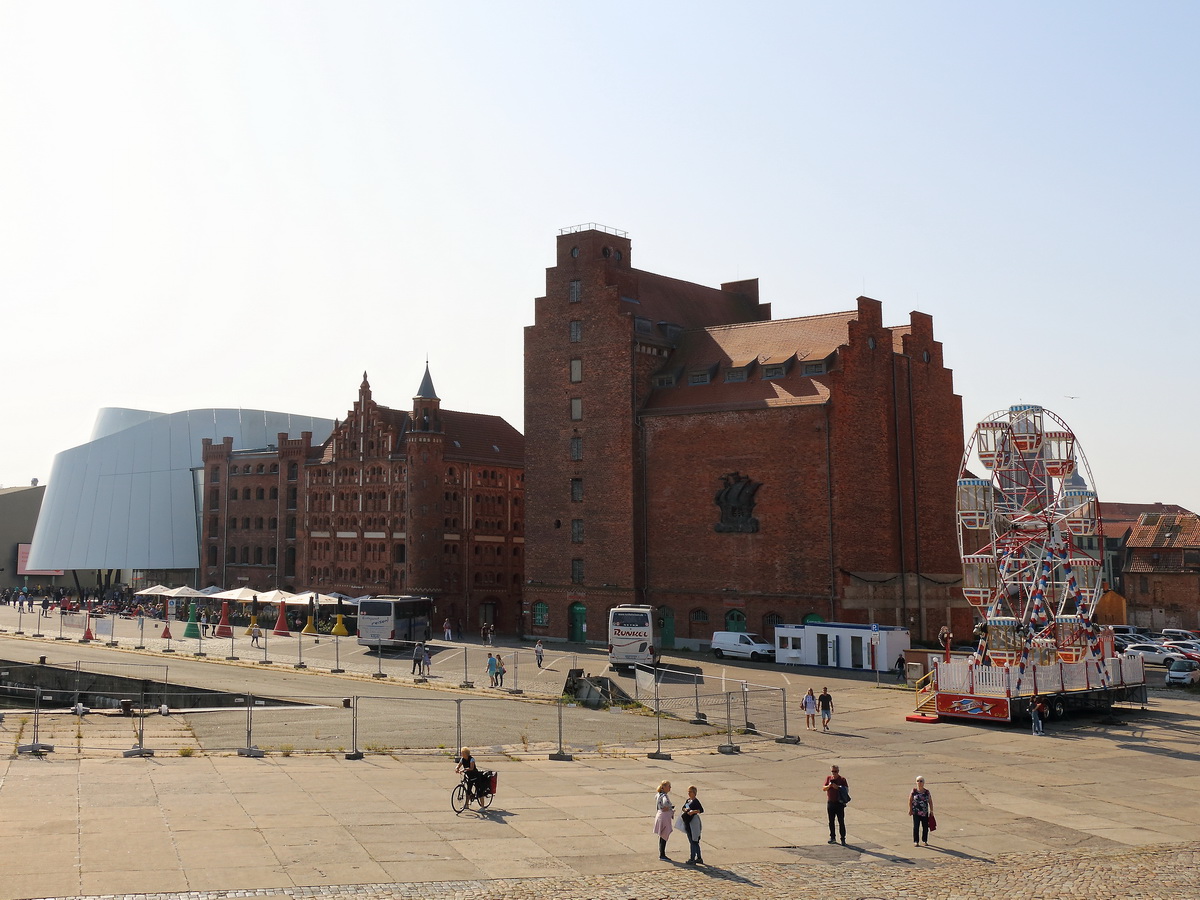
251, 203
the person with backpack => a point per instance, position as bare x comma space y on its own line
837, 795
920, 807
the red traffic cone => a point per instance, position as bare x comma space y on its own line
87, 631
281, 628
223, 629
166, 632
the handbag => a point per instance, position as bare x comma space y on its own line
932, 823
843, 793
679, 826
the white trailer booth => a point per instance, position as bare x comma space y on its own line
841, 645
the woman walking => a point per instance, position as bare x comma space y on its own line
810, 710
692, 807
663, 817
920, 807
500, 670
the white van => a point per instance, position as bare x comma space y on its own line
737, 643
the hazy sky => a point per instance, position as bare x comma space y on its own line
248, 204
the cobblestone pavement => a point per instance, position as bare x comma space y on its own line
1146, 873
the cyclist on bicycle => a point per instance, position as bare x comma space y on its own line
476, 780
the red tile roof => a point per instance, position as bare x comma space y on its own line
663, 299
800, 340
1157, 530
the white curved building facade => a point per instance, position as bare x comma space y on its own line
128, 499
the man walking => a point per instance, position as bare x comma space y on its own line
418, 658
835, 802
825, 703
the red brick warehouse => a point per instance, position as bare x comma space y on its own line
686, 451
427, 501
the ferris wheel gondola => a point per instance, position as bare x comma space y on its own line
1031, 539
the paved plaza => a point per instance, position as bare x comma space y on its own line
1098, 808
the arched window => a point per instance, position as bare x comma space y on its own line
541, 614
216, 474
770, 621
699, 615
212, 555
259, 494
245, 556
230, 554
293, 469
258, 557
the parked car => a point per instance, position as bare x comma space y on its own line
736, 643
1121, 641
1183, 671
1154, 654
1190, 649
1180, 634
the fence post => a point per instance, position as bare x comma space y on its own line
250, 750
729, 746
354, 753
379, 673
299, 664
264, 661
37, 746
466, 682
787, 738
112, 634
139, 749
231, 648
516, 688
141, 644
561, 756
337, 657
701, 718
457, 726
657, 754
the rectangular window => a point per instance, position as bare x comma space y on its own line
642, 325
577, 531
576, 331
577, 571
576, 408
664, 381
575, 294
576, 448
576, 371
817, 368
735, 374
773, 372
698, 378
576, 490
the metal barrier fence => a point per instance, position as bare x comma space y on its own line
185, 722
750, 709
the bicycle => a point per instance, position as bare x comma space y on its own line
464, 793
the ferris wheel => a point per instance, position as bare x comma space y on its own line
1031, 539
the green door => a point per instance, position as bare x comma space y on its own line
577, 623
666, 628
735, 620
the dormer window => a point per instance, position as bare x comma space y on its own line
699, 377
814, 368
774, 371
642, 325
665, 381
738, 374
